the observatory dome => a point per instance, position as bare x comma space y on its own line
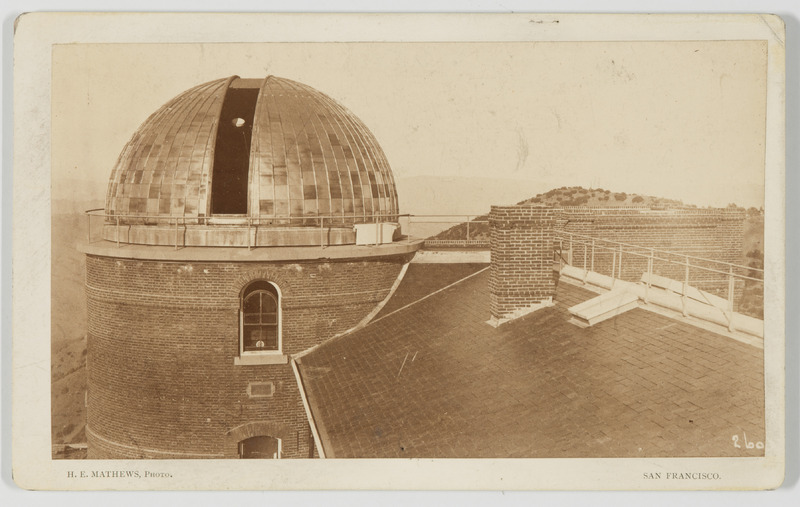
266, 152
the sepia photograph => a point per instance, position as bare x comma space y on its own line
514, 249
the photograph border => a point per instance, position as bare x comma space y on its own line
32, 462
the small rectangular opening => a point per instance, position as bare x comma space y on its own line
232, 152
260, 389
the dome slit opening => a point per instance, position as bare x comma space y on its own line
232, 152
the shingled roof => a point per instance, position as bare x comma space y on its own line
432, 379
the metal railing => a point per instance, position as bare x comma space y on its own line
409, 223
653, 208
463, 230
623, 261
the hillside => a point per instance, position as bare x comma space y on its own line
579, 196
564, 196
68, 330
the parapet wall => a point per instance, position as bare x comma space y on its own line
522, 244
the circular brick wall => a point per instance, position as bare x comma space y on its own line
163, 336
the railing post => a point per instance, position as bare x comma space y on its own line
619, 271
592, 254
685, 289
377, 229
88, 228
560, 254
569, 255
585, 271
249, 223
322, 232
730, 298
613, 267
649, 275
585, 255
467, 229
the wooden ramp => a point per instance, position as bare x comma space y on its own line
603, 307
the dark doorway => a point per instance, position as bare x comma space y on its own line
260, 448
232, 152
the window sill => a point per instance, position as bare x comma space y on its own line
261, 358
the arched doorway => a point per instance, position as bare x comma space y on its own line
260, 447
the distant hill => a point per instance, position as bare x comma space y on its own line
579, 196
564, 196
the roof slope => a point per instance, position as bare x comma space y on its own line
421, 280
434, 380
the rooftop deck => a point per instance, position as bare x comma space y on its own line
433, 379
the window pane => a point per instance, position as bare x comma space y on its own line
260, 337
252, 318
254, 338
268, 303
251, 303
271, 337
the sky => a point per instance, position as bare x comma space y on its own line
682, 120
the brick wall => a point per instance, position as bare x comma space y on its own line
521, 243
162, 338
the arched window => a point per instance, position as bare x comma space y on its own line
260, 319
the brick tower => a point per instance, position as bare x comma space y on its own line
246, 221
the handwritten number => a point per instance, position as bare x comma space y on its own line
747, 445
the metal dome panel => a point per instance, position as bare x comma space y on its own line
164, 169
311, 156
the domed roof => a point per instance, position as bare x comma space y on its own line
263, 148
